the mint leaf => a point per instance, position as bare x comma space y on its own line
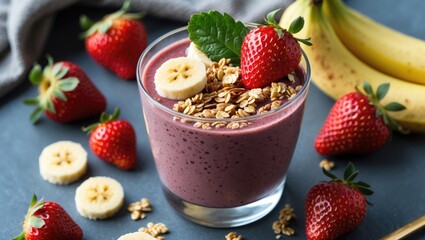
217, 35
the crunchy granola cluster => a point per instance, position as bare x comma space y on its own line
233, 236
155, 230
224, 97
138, 209
281, 226
327, 164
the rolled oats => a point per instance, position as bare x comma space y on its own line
155, 230
233, 236
281, 225
327, 164
138, 209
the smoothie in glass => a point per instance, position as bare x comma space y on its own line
219, 176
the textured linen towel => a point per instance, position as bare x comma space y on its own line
25, 24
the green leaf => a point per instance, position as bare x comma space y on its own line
68, 84
305, 41
362, 184
394, 107
62, 73
115, 114
296, 25
329, 174
56, 68
105, 26
365, 191
85, 22
50, 60
36, 74
368, 89
31, 101
59, 94
33, 200
382, 91
36, 114
20, 237
271, 16
349, 170
352, 176
103, 117
217, 35
49, 106
36, 222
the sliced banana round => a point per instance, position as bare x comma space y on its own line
180, 78
137, 236
63, 162
194, 52
99, 197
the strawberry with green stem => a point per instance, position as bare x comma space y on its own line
48, 221
358, 123
66, 93
117, 41
269, 53
336, 207
113, 140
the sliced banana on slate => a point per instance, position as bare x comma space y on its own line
194, 52
137, 236
63, 162
180, 78
99, 197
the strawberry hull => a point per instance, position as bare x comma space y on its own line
219, 168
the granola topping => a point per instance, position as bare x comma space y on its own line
233, 236
155, 230
138, 209
224, 97
281, 226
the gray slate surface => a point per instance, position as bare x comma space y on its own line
395, 171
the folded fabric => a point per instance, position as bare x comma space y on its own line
25, 24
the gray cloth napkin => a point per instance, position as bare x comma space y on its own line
25, 24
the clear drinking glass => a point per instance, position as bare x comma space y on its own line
218, 177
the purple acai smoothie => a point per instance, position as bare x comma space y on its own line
222, 167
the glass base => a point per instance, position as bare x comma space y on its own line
225, 217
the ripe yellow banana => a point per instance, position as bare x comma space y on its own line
336, 71
383, 48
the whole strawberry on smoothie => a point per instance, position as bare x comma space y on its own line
47, 220
66, 93
223, 138
116, 41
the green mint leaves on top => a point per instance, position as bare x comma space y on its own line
217, 35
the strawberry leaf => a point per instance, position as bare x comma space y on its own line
20, 237
296, 25
382, 91
36, 114
56, 68
62, 73
85, 22
36, 74
217, 35
368, 89
31, 101
349, 171
394, 107
105, 26
59, 94
329, 174
68, 84
36, 222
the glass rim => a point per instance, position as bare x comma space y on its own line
203, 119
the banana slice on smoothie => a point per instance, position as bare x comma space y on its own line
99, 197
180, 78
137, 236
194, 52
63, 162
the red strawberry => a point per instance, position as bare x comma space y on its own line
336, 207
269, 53
357, 123
48, 221
113, 140
117, 41
66, 93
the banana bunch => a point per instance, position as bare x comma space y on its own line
349, 48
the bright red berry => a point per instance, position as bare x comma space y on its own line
269, 53
357, 123
66, 93
116, 42
336, 207
113, 140
48, 221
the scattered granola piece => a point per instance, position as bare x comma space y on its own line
155, 230
327, 164
281, 226
233, 236
138, 209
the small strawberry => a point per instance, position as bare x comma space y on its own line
66, 93
117, 41
113, 140
336, 207
269, 52
358, 123
48, 221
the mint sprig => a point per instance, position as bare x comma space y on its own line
217, 35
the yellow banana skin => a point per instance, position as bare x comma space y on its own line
383, 48
336, 71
